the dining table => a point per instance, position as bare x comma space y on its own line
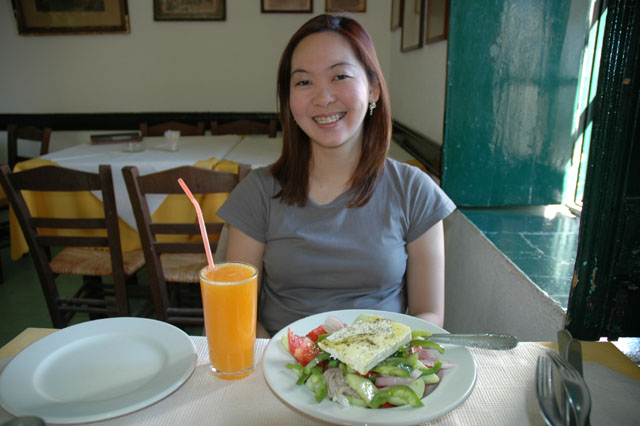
208, 151
504, 391
217, 152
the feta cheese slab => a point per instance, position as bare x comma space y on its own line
365, 343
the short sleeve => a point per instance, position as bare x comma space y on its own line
247, 207
426, 202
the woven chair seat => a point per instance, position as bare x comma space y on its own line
93, 261
182, 267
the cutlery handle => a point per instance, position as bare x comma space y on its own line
483, 341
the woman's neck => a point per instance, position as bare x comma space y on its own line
330, 172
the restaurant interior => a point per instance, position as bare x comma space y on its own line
496, 108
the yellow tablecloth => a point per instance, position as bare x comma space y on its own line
175, 208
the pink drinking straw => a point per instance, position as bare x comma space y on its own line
203, 229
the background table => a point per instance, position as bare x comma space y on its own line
202, 151
504, 393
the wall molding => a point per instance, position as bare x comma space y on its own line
125, 120
423, 148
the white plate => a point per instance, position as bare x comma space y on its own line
97, 370
455, 387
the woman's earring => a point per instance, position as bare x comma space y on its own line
372, 106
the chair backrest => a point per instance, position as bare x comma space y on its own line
186, 236
245, 127
15, 134
160, 128
37, 230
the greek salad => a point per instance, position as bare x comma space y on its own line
404, 378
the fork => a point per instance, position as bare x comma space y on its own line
546, 392
575, 388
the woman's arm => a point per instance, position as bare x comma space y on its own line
425, 276
243, 248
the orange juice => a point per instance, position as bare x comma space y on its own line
229, 300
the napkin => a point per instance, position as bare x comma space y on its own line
614, 396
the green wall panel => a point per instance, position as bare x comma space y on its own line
512, 80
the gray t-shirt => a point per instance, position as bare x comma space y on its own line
320, 258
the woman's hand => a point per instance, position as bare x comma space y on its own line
261, 332
425, 276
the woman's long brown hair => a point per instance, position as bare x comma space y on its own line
292, 168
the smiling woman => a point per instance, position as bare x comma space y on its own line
362, 230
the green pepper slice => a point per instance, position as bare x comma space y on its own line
296, 368
420, 333
402, 392
322, 356
426, 343
391, 370
317, 384
393, 361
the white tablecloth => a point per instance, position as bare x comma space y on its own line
156, 157
504, 395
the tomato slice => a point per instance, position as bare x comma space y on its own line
316, 332
303, 349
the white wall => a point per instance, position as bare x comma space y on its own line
195, 66
418, 86
213, 66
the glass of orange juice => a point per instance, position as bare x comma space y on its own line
230, 301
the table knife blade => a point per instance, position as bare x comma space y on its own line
574, 354
483, 341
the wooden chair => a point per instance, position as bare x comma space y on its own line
174, 252
31, 133
245, 127
4, 229
159, 129
91, 257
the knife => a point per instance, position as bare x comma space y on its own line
564, 337
574, 354
483, 341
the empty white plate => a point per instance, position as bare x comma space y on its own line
97, 370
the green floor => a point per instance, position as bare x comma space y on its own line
22, 304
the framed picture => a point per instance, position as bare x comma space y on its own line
345, 6
286, 6
396, 14
437, 20
38, 17
413, 23
185, 10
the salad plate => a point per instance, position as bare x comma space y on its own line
97, 370
455, 386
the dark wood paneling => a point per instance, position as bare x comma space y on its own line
425, 150
124, 121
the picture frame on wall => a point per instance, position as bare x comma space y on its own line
396, 14
413, 25
286, 6
339, 6
185, 10
437, 21
67, 17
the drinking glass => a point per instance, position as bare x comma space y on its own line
172, 137
229, 301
